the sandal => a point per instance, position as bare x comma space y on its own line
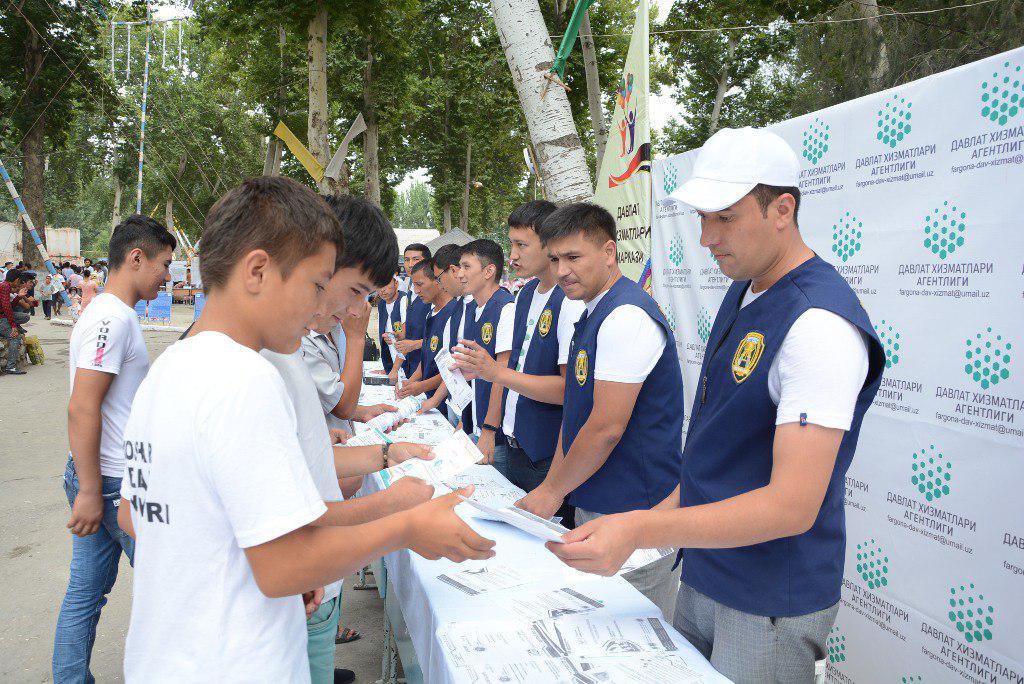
346, 635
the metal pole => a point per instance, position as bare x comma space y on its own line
142, 128
112, 28
128, 59
179, 42
163, 46
35, 235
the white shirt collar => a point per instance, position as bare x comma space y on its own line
592, 304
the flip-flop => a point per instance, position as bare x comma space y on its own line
346, 635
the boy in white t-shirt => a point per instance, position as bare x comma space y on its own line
108, 360
217, 492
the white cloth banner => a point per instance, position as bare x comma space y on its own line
916, 195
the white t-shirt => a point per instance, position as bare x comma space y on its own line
568, 315
819, 370
213, 467
502, 343
108, 338
629, 344
311, 429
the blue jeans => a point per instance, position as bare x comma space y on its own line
500, 454
321, 628
94, 561
528, 475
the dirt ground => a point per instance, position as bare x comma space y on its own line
35, 546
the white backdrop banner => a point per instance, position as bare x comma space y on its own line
916, 195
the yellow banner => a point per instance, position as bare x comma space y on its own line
301, 153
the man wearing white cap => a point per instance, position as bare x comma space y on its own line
792, 365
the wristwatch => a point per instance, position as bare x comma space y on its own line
486, 426
384, 452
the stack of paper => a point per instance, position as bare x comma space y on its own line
407, 408
451, 457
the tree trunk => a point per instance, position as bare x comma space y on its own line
446, 217
371, 136
316, 56
464, 217
32, 188
723, 83
527, 45
597, 120
869, 10
115, 215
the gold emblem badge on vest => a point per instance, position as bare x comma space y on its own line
544, 327
747, 355
582, 367
487, 332
433, 343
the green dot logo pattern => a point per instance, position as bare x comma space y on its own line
894, 121
988, 359
944, 230
836, 645
846, 236
969, 612
704, 325
930, 473
890, 339
1001, 95
910, 679
670, 179
872, 564
670, 316
675, 251
816, 138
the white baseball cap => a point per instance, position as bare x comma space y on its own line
732, 162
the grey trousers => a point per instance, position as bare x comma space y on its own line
13, 343
753, 648
657, 581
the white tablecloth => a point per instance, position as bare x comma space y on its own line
428, 604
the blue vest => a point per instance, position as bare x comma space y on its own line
382, 319
643, 468
729, 448
537, 423
485, 332
433, 338
415, 323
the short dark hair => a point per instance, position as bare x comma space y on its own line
273, 213
142, 232
766, 194
447, 256
14, 274
582, 217
488, 252
531, 214
418, 247
425, 265
370, 241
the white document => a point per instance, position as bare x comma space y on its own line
552, 603
516, 517
451, 457
489, 488
407, 408
428, 428
368, 438
642, 557
579, 637
460, 394
491, 577
666, 669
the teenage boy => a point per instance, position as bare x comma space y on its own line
108, 360
490, 326
12, 289
369, 256
535, 375
427, 377
217, 492
410, 335
622, 415
390, 310
793, 364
